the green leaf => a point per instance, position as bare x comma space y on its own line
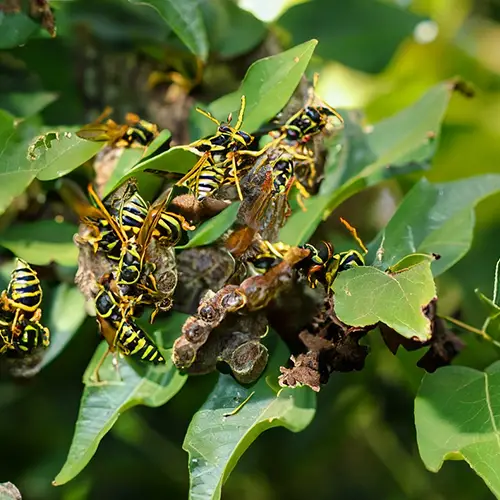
268, 85
492, 323
214, 228
233, 31
366, 295
164, 136
362, 34
15, 29
410, 261
66, 315
216, 442
101, 405
433, 218
186, 21
42, 242
57, 153
26, 104
367, 157
176, 159
457, 416
15, 170
128, 159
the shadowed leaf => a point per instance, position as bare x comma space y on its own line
42, 242
216, 442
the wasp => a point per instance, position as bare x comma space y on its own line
100, 219
123, 230
308, 121
23, 295
22, 332
32, 335
296, 136
133, 215
135, 133
220, 155
117, 326
268, 255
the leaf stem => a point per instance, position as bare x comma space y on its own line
495, 293
471, 329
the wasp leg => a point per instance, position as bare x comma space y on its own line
95, 378
236, 181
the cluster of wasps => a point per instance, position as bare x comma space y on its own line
21, 331
125, 231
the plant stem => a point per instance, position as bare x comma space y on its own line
471, 329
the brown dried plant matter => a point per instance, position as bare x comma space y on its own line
228, 325
443, 345
329, 346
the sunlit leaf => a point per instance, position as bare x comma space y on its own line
267, 86
362, 34
362, 296
457, 416
186, 21
433, 218
42, 242
64, 318
101, 405
214, 228
215, 442
410, 261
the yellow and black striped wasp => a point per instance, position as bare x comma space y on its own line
100, 219
323, 264
23, 295
115, 317
307, 122
222, 156
20, 312
114, 225
135, 133
297, 135
30, 334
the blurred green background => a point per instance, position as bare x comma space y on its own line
376, 56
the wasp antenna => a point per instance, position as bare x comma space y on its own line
354, 234
336, 114
208, 115
229, 118
107, 111
240, 114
